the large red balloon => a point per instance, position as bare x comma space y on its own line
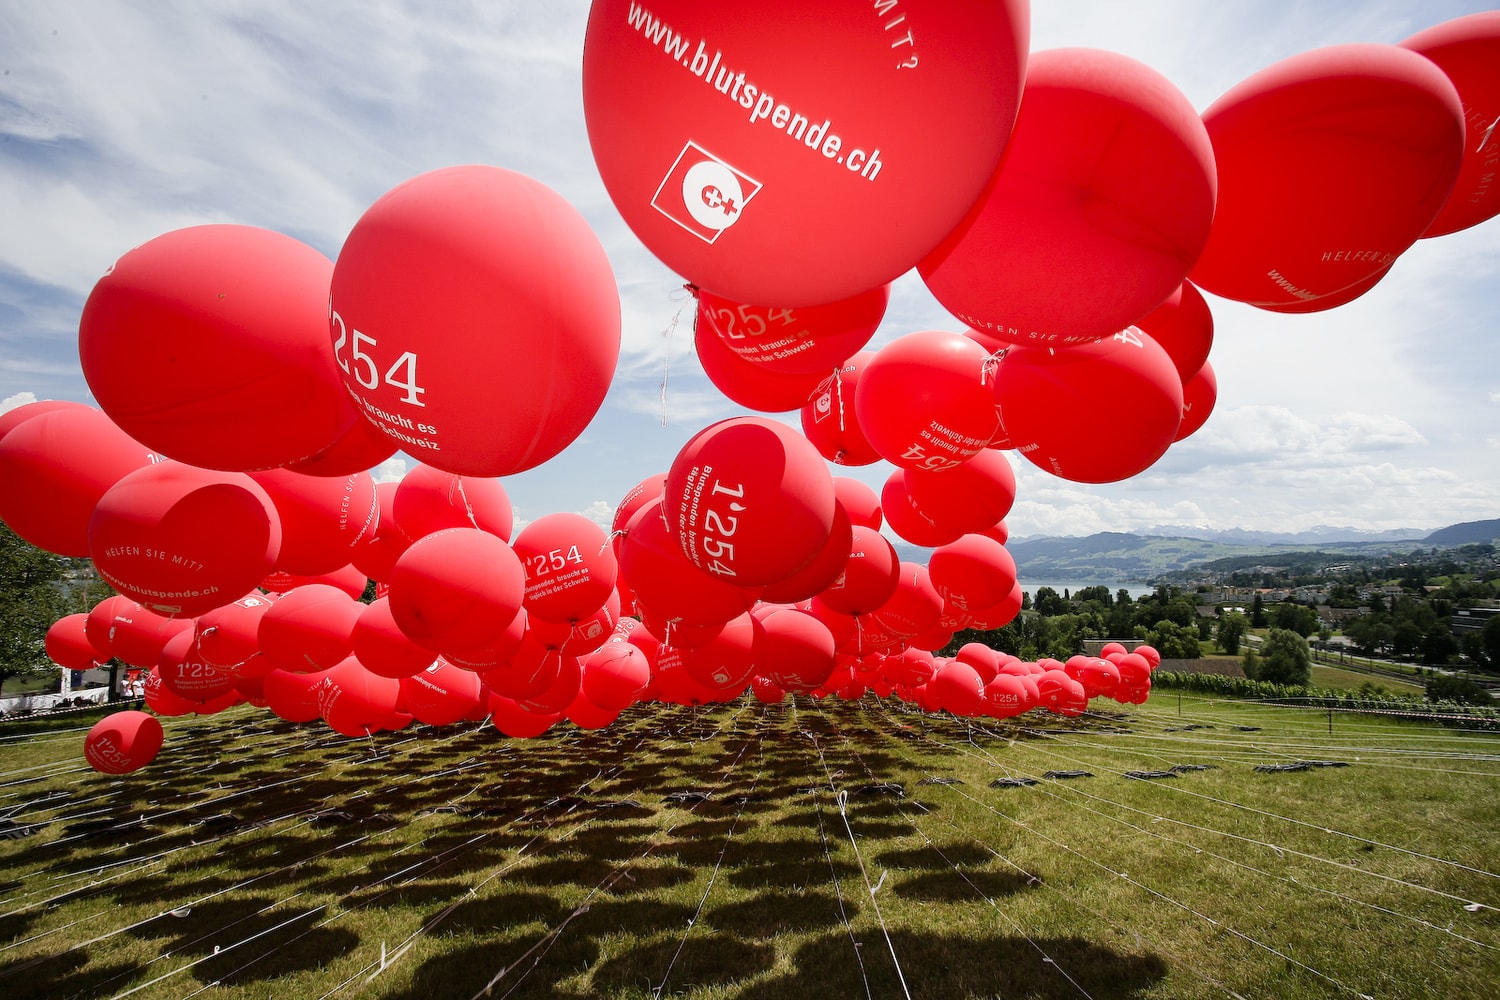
824, 570
922, 401
860, 502
870, 574
375, 554
1050, 402
441, 694
667, 584
615, 675
428, 499
749, 500
811, 339
182, 540
122, 742
323, 519
310, 628
355, 702
476, 319
138, 634
797, 650
907, 519
184, 672
725, 662
67, 643
15, 417
382, 647
56, 467
975, 572
766, 159
293, 696
1331, 164
228, 636
915, 607
456, 589
830, 421
970, 497
1100, 208
363, 446
1468, 50
570, 566
228, 326
750, 385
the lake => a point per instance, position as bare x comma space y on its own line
1136, 590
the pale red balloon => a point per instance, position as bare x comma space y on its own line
476, 319
923, 403
749, 500
800, 341
378, 642
1049, 400
973, 573
323, 519
860, 502
968, 498
830, 420
1331, 164
228, 326
57, 465
123, 742
1098, 211
771, 170
13, 418
1467, 49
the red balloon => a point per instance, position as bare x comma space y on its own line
803, 341
1467, 49
749, 500
565, 685
797, 650
1006, 695
829, 419
1149, 654
1002, 613
586, 715
957, 687
570, 566
831, 130
1098, 211
184, 672
346, 578
859, 502
292, 696
323, 519
375, 555
641, 494
1134, 669
495, 653
870, 574
1049, 401
101, 622
476, 319
379, 644
748, 384
1057, 692
429, 499
228, 326
57, 466
1331, 164
726, 662
967, 498
182, 540
161, 699
668, 584
1199, 394
441, 694
984, 660
456, 589
355, 702
309, 628
975, 572
363, 446
1184, 327
137, 634
13, 418
908, 520
615, 675
228, 636
123, 742
824, 570
915, 607
515, 721
67, 643
922, 401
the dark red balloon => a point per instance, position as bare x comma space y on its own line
228, 325
67, 643
323, 519
923, 403
429, 499
456, 589
830, 421
1199, 394
123, 742
769, 162
1184, 327
803, 341
750, 385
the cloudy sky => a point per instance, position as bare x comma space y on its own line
120, 121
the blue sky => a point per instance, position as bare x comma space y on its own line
123, 120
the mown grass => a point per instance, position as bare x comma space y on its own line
1336, 679
805, 849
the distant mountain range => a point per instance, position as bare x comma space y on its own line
1119, 556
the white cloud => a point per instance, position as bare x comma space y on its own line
15, 400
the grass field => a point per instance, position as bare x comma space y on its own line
805, 849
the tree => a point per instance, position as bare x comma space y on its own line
1173, 641
1258, 612
1251, 664
30, 601
1231, 632
1049, 602
1491, 636
1284, 658
1451, 687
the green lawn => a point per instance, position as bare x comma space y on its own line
800, 850
1336, 679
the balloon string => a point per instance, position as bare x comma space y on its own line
458, 484
838, 388
991, 363
1487, 133
667, 357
